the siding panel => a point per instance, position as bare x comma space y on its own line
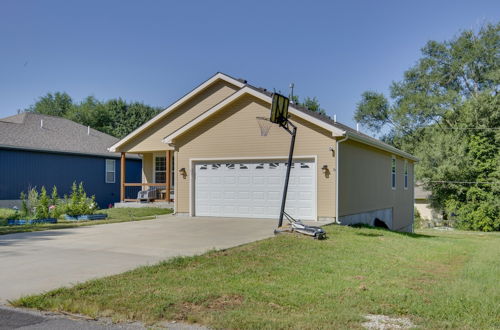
365, 183
20, 170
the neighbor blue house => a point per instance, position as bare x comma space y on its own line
40, 150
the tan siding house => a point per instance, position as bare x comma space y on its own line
205, 154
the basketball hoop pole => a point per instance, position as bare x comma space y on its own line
293, 133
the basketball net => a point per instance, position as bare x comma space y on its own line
264, 124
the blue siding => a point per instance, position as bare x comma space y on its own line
21, 169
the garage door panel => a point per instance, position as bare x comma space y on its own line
254, 189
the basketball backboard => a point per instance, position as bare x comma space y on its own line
279, 109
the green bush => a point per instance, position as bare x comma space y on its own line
78, 203
38, 205
418, 221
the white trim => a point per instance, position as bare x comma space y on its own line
157, 155
173, 106
192, 172
337, 153
106, 170
380, 145
177, 179
247, 90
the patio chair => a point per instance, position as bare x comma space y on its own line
147, 195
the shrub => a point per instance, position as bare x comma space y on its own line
418, 221
38, 205
78, 203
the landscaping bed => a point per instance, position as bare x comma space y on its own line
358, 275
113, 216
19, 222
86, 217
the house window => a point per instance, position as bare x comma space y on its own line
406, 174
110, 171
160, 167
393, 172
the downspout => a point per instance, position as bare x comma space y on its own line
337, 150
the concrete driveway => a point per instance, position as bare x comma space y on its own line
36, 262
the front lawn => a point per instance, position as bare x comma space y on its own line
114, 215
436, 279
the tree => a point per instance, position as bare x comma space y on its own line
448, 74
445, 111
115, 117
57, 104
309, 103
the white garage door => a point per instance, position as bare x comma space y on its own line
254, 190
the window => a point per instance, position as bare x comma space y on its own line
393, 172
406, 174
110, 171
160, 168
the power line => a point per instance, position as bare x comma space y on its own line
465, 182
461, 128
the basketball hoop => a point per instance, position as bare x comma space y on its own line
264, 124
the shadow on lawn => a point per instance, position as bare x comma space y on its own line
377, 232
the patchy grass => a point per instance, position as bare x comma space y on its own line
114, 216
435, 279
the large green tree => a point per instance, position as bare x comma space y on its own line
115, 117
446, 110
57, 104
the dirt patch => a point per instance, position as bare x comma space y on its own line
220, 303
225, 301
387, 322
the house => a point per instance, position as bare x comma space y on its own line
206, 148
39, 150
423, 204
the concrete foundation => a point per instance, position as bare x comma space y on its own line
368, 218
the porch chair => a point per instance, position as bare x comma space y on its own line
147, 195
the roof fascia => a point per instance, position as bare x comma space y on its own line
380, 145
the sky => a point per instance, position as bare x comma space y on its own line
157, 51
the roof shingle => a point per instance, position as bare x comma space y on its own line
25, 131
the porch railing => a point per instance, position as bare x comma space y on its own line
158, 192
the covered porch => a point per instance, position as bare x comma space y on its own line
158, 180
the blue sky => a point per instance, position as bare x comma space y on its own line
156, 51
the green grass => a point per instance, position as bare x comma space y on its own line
437, 279
114, 216
6, 214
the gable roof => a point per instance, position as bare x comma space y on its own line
218, 76
251, 91
337, 129
323, 121
26, 131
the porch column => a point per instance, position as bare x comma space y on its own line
167, 176
122, 177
